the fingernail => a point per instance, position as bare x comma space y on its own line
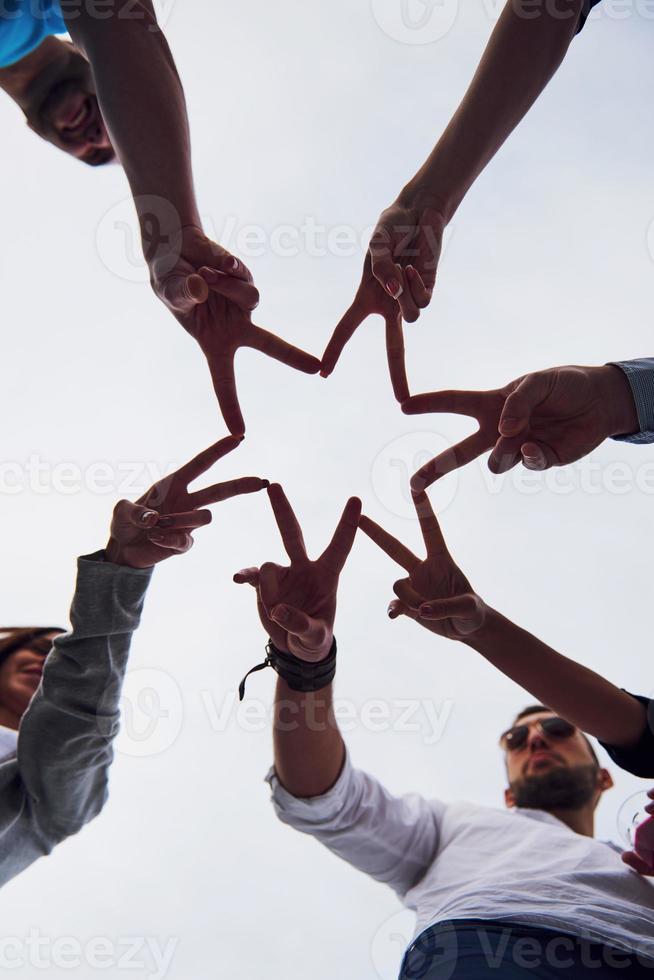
147, 516
234, 264
509, 422
426, 610
157, 538
165, 522
394, 288
410, 271
281, 614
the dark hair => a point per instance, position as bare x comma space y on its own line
537, 709
14, 638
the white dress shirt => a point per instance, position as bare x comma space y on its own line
458, 861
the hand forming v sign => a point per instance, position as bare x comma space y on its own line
213, 302
297, 603
549, 418
436, 593
399, 273
161, 523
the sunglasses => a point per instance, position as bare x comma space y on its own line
516, 738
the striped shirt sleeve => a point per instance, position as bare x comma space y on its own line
640, 375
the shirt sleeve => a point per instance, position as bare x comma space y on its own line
638, 760
392, 839
58, 781
640, 375
586, 9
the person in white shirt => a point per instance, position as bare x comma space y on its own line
523, 891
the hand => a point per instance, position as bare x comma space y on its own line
161, 523
398, 279
211, 294
436, 593
642, 858
297, 604
549, 418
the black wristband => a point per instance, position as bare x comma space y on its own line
300, 675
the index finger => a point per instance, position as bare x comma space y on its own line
224, 384
431, 529
205, 460
395, 355
451, 459
336, 553
280, 350
345, 328
393, 548
287, 523
451, 402
225, 491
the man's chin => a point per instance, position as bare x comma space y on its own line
556, 787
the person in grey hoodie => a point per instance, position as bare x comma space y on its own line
60, 692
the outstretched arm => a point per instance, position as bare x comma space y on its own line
399, 275
438, 596
523, 54
143, 104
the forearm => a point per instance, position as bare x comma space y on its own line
524, 52
309, 748
65, 738
581, 696
143, 104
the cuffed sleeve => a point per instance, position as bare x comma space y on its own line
58, 782
640, 375
639, 759
392, 839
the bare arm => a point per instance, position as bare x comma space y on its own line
309, 748
576, 693
143, 104
524, 52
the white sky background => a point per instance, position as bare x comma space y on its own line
312, 111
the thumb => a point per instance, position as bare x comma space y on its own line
183, 293
518, 407
311, 633
387, 272
134, 515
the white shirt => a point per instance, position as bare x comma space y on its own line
460, 861
8, 743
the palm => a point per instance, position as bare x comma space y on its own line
439, 578
212, 295
174, 510
436, 593
565, 417
297, 603
304, 586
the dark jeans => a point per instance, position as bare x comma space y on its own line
475, 950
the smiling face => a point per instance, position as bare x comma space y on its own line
61, 106
20, 676
553, 771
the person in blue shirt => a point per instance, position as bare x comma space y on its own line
113, 91
51, 80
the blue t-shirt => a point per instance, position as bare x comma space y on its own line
24, 24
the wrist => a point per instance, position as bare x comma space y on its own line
618, 402
422, 194
482, 637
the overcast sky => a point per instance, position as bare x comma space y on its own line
307, 119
